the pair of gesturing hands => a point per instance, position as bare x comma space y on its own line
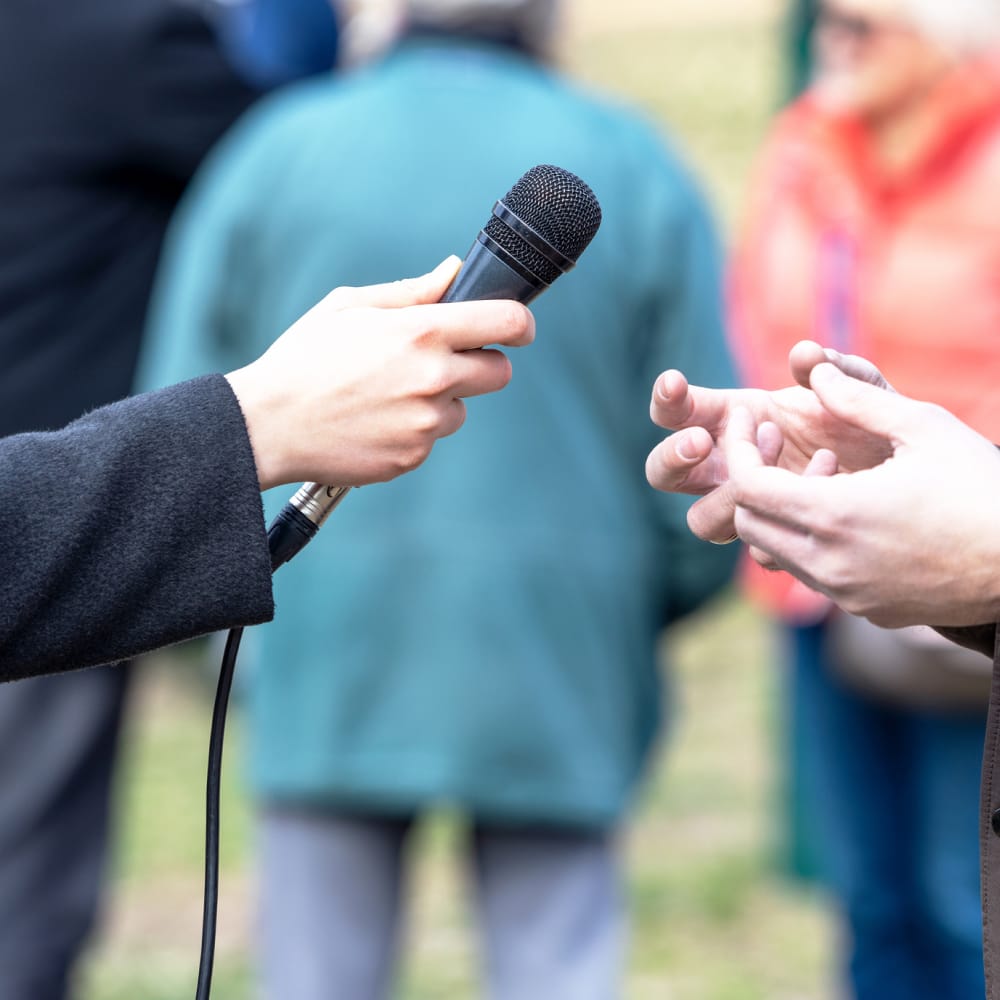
883, 503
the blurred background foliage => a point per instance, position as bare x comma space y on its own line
713, 916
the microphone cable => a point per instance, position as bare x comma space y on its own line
213, 786
294, 527
288, 533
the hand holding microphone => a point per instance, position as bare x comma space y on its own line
361, 386
414, 349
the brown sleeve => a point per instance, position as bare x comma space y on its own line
989, 838
979, 637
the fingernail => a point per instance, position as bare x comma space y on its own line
683, 453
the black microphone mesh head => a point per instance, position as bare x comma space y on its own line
558, 206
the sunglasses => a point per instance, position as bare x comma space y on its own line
855, 27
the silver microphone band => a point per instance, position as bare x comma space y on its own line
317, 502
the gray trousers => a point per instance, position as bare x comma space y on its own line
58, 742
548, 905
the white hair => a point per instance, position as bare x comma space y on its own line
372, 25
964, 26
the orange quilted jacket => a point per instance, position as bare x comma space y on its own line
903, 269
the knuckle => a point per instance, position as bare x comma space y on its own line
851, 605
938, 414
425, 335
413, 459
436, 376
428, 421
341, 297
839, 578
411, 456
764, 559
425, 422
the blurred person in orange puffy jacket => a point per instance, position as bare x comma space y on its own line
874, 228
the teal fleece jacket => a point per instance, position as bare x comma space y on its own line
483, 631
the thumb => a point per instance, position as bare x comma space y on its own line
426, 289
807, 354
872, 408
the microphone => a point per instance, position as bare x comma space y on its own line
535, 233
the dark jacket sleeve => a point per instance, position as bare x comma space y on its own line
183, 93
138, 525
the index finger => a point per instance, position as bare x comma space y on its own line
676, 404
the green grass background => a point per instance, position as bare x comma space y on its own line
712, 918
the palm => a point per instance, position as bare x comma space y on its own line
807, 427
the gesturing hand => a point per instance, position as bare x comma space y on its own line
793, 427
912, 540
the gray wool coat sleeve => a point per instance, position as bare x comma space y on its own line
136, 526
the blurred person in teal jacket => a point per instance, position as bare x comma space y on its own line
484, 633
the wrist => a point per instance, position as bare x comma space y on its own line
260, 415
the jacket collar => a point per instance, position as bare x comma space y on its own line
963, 106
